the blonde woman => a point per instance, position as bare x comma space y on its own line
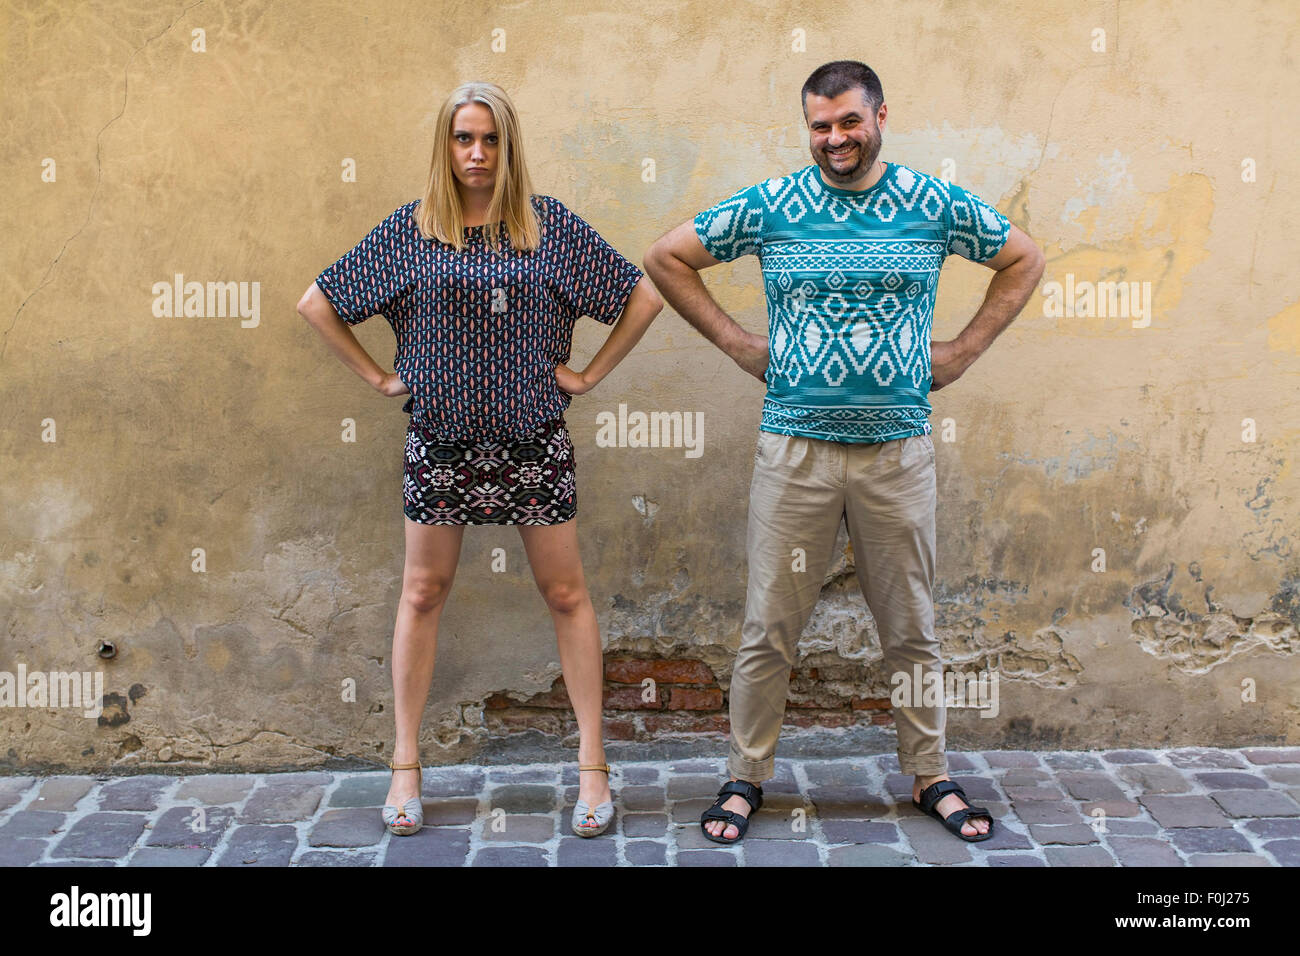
482, 282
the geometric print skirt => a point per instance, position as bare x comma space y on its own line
532, 480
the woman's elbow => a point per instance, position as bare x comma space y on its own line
654, 302
309, 303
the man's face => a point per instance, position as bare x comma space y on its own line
844, 135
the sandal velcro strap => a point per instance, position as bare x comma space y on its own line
717, 813
936, 792
958, 817
753, 795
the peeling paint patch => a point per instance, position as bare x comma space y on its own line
1196, 643
1088, 456
645, 507
1111, 185
1270, 536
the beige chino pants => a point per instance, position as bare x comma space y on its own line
801, 489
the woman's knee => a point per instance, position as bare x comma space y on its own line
565, 597
426, 593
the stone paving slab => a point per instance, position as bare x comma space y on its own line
655, 825
215, 789
282, 802
1189, 758
260, 846
190, 827
168, 856
1079, 856
329, 858
646, 853
1144, 851
134, 793
1286, 852
62, 793
101, 836
1189, 806
32, 823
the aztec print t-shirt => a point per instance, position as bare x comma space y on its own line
479, 332
851, 278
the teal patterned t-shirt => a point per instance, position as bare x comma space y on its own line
851, 278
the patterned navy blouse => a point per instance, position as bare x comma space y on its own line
479, 332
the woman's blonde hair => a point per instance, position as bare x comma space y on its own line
439, 214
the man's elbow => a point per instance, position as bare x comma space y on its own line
656, 259
1038, 260
1031, 262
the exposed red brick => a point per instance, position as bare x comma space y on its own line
629, 698
686, 723
634, 670
689, 698
620, 729
804, 704
557, 698
870, 703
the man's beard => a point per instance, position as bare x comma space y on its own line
865, 153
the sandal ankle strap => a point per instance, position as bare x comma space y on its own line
403, 766
602, 767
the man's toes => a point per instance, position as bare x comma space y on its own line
732, 833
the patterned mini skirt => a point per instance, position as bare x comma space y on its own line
531, 480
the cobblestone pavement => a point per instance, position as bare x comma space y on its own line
1182, 807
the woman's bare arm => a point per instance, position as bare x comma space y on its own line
316, 309
641, 308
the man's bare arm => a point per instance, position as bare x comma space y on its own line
317, 309
1018, 266
674, 262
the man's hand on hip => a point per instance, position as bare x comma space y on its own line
751, 354
947, 363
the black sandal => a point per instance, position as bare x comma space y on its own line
953, 821
753, 796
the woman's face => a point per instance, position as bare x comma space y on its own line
474, 146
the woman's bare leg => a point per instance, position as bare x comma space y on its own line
432, 553
557, 568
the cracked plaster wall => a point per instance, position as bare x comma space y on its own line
1071, 434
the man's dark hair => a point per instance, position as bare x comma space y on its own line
832, 79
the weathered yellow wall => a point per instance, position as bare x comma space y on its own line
1071, 434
